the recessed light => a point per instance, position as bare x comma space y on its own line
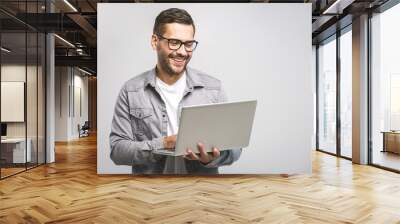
70, 5
5, 50
64, 40
84, 71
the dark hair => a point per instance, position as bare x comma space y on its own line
172, 15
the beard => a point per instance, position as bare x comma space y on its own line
168, 67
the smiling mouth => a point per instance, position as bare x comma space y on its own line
179, 59
178, 62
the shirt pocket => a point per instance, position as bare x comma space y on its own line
141, 120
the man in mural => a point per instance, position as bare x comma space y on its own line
146, 115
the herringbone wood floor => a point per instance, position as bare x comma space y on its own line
70, 191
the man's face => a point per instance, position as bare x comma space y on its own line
173, 62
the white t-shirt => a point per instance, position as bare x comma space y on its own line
172, 96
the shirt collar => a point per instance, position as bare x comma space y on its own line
192, 78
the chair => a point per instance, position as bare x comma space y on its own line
84, 130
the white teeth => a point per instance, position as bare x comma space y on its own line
180, 60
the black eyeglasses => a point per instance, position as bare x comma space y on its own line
175, 44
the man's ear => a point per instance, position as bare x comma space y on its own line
154, 41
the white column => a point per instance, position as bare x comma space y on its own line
50, 100
50, 92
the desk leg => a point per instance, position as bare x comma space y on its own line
384, 142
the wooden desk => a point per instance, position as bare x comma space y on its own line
391, 141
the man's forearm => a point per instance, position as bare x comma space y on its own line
128, 152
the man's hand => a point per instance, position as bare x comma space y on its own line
169, 142
203, 156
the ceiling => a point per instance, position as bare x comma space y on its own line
76, 22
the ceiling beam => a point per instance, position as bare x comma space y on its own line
84, 24
84, 61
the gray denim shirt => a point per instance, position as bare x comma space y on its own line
140, 123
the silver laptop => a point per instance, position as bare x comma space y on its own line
221, 125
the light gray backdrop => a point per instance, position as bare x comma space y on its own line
259, 51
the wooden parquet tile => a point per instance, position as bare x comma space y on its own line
70, 191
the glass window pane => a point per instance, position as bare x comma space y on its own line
327, 96
346, 94
31, 100
31, 85
41, 98
386, 88
23, 88
13, 86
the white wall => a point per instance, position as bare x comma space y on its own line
61, 103
68, 80
259, 51
13, 101
80, 83
17, 72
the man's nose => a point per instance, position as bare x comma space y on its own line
182, 51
